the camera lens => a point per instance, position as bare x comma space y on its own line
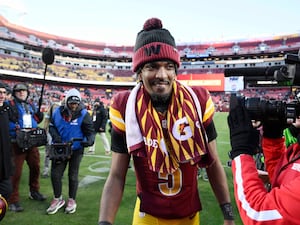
59, 151
254, 108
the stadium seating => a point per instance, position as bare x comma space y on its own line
85, 60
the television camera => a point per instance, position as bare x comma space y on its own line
284, 75
62, 151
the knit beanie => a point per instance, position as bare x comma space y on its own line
154, 43
73, 96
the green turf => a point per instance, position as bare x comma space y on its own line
88, 196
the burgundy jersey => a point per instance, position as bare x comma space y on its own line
173, 195
167, 195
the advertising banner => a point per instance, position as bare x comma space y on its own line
233, 84
212, 81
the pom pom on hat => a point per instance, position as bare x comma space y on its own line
154, 43
152, 24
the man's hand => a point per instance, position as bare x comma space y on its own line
244, 138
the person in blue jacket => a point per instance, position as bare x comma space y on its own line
24, 117
69, 121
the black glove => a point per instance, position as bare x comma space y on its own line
85, 144
273, 126
244, 138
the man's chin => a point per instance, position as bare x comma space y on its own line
162, 98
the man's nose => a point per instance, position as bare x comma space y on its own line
161, 72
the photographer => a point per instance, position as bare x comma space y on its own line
27, 117
69, 121
256, 205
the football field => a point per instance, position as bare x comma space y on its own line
93, 172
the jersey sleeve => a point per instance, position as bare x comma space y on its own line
117, 111
206, 103
117, 118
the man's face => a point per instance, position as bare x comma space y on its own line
21, 94
2, 95
158, 78
73, 106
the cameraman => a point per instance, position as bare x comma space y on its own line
27, 117
255, 204
69, 121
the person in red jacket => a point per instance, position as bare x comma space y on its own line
255, 203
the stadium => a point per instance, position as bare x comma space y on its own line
106, 69
100, 70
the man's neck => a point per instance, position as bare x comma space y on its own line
160, 106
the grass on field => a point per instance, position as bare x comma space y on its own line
92, 175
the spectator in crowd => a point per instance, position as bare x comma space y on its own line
6, 164
100, 117
8, 92
255, 203
69, 121
27, 118
168, 130
47, 119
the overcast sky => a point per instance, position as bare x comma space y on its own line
118, 21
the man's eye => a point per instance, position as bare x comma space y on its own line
170, 66
149, 67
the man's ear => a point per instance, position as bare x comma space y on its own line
139, 77
138, 74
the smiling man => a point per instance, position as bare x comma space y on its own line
168, 130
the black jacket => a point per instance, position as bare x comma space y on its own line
101, 115
6, 165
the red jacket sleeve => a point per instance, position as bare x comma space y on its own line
273, 150
259, 207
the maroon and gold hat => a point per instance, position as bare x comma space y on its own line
154, 43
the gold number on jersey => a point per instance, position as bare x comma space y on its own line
173, 183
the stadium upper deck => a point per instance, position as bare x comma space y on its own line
94, 61
269, 46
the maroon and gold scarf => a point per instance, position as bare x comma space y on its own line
144, 133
